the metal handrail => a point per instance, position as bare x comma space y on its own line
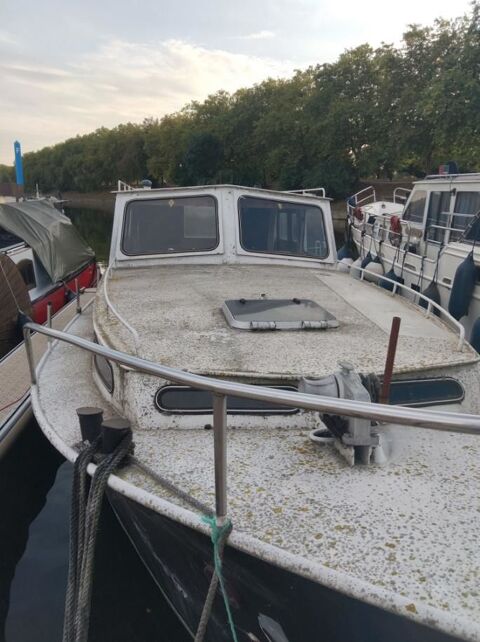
346, 407
452, 422
371, 195
311, 190
115, 312
402, 196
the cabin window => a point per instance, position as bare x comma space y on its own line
277, 227
466, 204
186, 400
426, 392
170, 225
437, 216
416, 207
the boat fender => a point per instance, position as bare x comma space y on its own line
391, 274
354, 268
475, 336
462, 288
344, 264
344, 252
376, 267
433, 293
358, 214
368, 259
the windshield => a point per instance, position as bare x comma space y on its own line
277, 227
170, 225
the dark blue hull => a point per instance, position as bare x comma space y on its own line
268, 603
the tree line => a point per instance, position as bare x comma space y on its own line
379, 112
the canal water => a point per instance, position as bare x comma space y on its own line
34, 513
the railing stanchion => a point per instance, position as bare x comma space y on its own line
49, 319
27, 335
220, 452
77, 293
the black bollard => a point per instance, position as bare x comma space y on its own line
113, 431
90, 419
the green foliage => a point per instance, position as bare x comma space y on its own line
372, 113
7, 174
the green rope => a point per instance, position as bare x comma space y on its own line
217, 535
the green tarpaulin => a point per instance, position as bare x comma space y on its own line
49, 233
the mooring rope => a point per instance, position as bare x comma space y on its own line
84, 521
219, 536
169, 486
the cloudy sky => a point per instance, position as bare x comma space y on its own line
68, 67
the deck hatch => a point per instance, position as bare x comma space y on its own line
277, 314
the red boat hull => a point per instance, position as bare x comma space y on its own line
61, 293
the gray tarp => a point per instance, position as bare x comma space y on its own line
49, 233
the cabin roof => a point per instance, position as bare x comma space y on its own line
176, 311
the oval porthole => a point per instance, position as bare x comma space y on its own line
105, 371
186, 400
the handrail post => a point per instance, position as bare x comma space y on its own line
220, 455
77, 294
49, 319
27, 335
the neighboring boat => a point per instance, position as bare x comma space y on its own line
238, 286
43, 260
426, 236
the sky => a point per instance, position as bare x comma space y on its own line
69, 67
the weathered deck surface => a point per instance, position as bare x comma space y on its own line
14, 373
404, 536
176, 311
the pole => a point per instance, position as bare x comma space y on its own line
77, 294
392, 349
220, 455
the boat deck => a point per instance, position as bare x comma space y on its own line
403, 536
14, 373
176, 312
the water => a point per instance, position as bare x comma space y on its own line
35, 481
95, 226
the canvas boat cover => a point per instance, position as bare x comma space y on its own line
49, 233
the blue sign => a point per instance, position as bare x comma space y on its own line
18, 163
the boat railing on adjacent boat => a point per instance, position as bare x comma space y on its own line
368, 195
220, 389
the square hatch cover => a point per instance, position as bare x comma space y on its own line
277, 314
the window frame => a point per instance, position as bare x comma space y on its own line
421, 223
179, 252
431, 380
289, 255
275, 410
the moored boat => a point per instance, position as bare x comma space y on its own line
43, 262
425, 236
365, 531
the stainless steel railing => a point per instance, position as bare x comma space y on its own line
443, 421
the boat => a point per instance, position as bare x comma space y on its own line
425, 235
251, 372
43, 262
